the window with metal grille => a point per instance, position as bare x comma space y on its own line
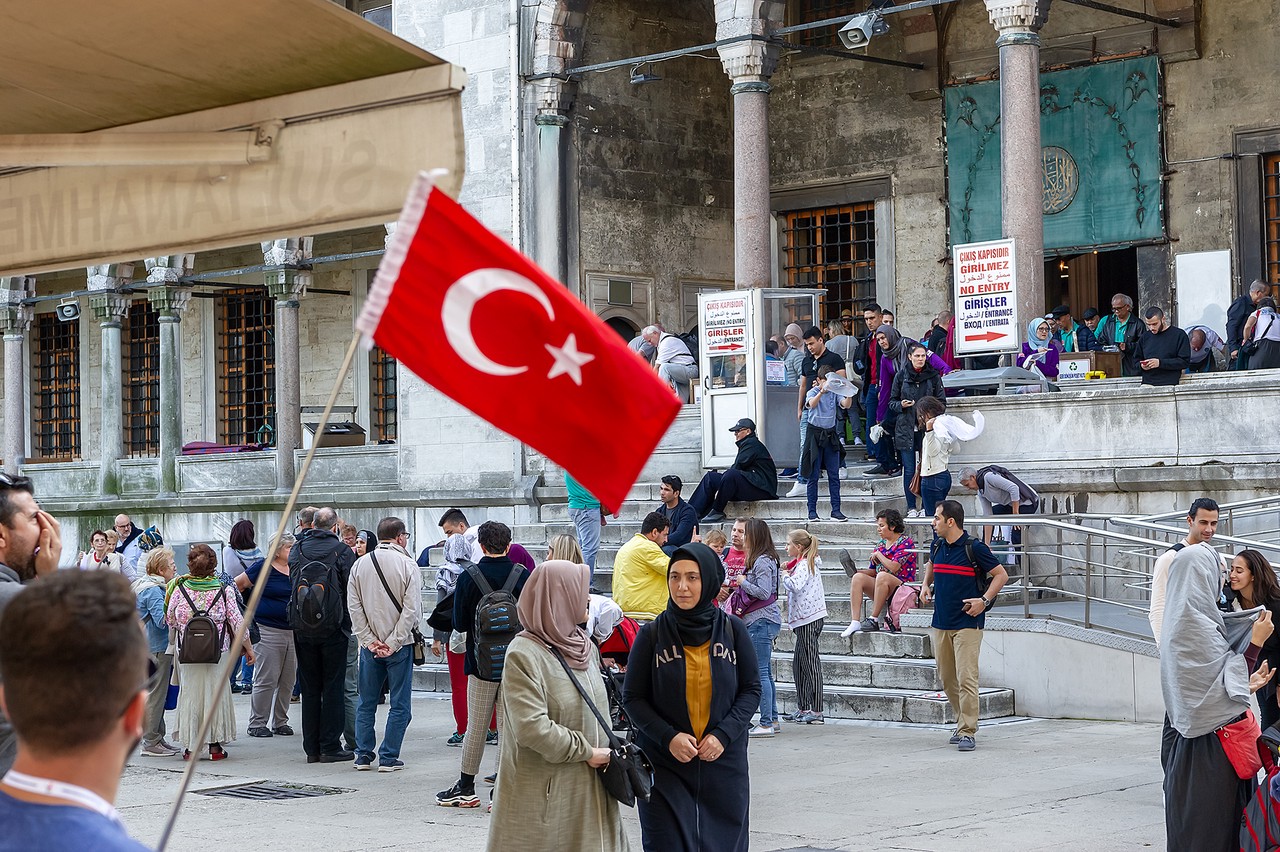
811, 11
1271, 216
246, 367
55, 389
140, 393
833, 248
382, 392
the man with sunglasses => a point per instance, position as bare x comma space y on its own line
75, 681
30, 546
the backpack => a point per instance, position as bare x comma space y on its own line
1260, 829
690, 340
905, 598
979, 573
315, 607
201, 640
1025, 491
496, 622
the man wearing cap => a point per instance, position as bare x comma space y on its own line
1091, 318
752, 477
1073, 336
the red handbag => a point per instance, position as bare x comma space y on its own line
1240, 742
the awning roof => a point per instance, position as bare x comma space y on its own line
76, 65
344, 115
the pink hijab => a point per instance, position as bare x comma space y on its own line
552, 607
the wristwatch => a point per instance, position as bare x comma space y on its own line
987, 604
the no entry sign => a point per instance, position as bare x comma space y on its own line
985, 309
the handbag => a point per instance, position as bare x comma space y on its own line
1240, 742
915, 482
628, 775
419, 643
1251, 346
741, 603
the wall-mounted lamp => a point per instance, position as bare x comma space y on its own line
639, 76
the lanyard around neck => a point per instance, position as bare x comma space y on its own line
60, 790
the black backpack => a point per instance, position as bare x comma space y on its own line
315, 607
496, 622
979, 573
201, 640
1025, 491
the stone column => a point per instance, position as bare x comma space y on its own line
1018, 23
750, 64
15, 321
109, 306
285, 286
549, 194
170, 301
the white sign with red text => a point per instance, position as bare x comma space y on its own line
724, 324
985, 308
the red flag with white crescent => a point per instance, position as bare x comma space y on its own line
485, 326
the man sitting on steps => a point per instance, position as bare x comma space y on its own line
752, 477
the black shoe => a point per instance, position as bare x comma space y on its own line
458, 796
260, 732
897, 471
491, 779
712, 518
338, 757
282, 731
878, 470
313, 758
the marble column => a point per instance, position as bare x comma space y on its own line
109, 306
285, 286
15, 321
549, 194
1018, 23
170, 300
750, 64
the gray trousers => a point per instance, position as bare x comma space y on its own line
350, 689
482, 695
680, 375
153, 730
273, 678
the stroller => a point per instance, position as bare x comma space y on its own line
613, 656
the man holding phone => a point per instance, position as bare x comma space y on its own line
959, 612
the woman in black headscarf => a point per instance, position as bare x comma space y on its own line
692, 686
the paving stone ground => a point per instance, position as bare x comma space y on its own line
1031, 785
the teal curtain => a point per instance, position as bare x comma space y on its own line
1100, 146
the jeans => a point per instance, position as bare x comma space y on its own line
870, 399
933, 490
827, 459
679, 375
243, 670
398, 670
804, 431
762, 633
322, 668
587, 524
908, 473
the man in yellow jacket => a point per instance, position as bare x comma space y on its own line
640, 570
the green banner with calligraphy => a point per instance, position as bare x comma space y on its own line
1100, 146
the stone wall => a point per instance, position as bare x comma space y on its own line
655, 164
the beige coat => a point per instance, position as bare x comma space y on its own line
547, 797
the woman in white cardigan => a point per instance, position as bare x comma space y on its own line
806, 610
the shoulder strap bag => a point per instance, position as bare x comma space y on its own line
419, 643
629, 774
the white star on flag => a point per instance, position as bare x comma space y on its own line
569, 360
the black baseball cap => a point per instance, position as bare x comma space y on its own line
1060, 311
744, 423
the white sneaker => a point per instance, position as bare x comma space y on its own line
851, 629
798, 490
915, 513
761, 731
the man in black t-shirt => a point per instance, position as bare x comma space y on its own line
818, 356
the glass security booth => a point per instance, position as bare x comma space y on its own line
740, 379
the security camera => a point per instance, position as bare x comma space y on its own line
68, 310
860, 29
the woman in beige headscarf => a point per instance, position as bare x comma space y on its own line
548, 795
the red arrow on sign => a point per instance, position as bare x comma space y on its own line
987, 336
729, 346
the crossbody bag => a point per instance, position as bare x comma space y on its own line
419, 643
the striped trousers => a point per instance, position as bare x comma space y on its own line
482, 696
806, 666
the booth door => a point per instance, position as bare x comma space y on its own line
724, 344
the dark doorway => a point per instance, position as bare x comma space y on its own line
1089, 280
625, 329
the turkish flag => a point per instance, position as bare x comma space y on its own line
485, 326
